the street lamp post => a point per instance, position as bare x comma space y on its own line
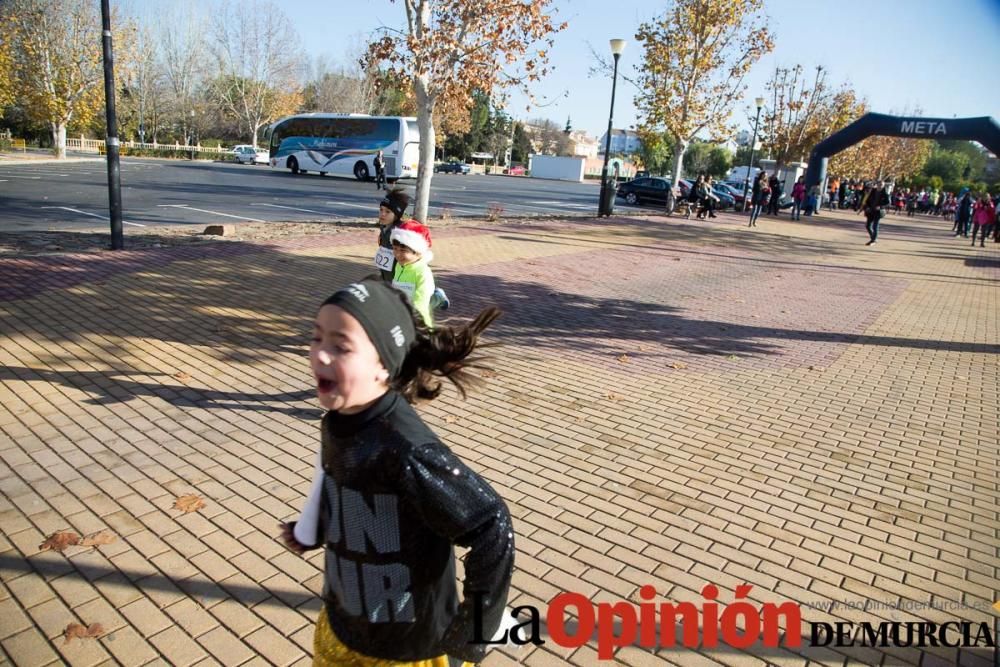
604, 206
111, 142
746, 182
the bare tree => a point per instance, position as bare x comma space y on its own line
337, 88
184, 62
145, 84
258, 67
548, 136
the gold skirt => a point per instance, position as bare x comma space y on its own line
328, 651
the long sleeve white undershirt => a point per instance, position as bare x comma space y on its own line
307, 527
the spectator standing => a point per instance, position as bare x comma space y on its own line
775, 201
983, 215
798, 198
759, 198
964, 215
379, 163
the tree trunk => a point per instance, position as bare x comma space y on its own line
425, 169
682, 145
59, 139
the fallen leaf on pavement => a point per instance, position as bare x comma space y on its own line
677, 365
189, 503
488, 373
181, 376
733, 357
77, 631
98, 538
450, 419
59, 541
817, 368
623, 359
612, 396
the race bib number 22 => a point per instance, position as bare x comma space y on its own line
384, 258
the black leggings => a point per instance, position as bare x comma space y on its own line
872, 224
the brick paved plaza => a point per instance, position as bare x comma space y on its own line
675, 403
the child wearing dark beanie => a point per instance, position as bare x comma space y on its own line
389, 500
390, 214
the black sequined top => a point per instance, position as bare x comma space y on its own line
395, 501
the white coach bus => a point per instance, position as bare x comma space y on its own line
345, 144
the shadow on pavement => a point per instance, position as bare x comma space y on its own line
256, 307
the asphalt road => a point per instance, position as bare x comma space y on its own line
74, 195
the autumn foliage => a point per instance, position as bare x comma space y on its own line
695, 57
802, 111
57, 61
898, 158
451, 48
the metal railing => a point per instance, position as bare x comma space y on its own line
97, 146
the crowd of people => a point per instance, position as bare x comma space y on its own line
970, 212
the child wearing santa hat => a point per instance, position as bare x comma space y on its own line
411, 247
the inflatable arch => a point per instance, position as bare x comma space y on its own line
985, 130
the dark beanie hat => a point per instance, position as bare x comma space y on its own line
385, 317
396, 201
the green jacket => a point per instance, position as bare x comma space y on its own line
417, 282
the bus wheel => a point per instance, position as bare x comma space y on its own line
322, 173
293, 164
361, 171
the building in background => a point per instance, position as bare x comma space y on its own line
583, 145
625, 142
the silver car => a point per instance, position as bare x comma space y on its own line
247, 154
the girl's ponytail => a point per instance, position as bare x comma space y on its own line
444, 352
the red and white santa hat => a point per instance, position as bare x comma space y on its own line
414, 235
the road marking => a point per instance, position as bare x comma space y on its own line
344, 203
94, 215
530, 206
30, 178
40, 173
292, 208
570, 204
202, 210
453, 207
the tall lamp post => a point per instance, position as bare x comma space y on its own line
111, 143
746, 182
606, 202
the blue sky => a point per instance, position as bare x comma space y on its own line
941, 56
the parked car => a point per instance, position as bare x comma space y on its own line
517, 170
729, 197
453, 167
651, 189
247, 154
785, 201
